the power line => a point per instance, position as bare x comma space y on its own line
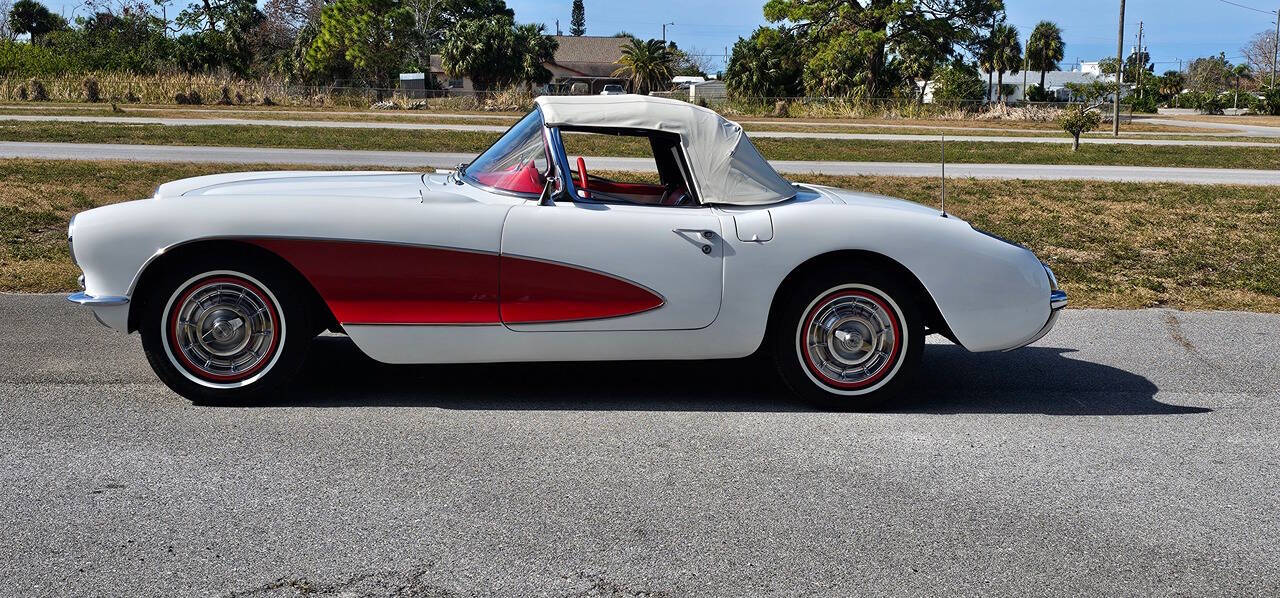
1265, 12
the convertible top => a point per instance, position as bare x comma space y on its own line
727, 168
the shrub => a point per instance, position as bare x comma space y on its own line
1212, 104
92, 92
1270, 102
1077, 119
1145, 105
190, 97
38, 91
1037, 94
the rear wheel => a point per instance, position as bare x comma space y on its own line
225, 334
848, 342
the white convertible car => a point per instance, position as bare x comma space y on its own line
523, 255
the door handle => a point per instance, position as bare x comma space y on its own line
701, 232
704, 237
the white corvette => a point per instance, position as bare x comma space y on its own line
524, 256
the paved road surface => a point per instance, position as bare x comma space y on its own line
337, 124
1127, 453
375, 159
1240, 128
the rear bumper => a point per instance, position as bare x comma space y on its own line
1057, 301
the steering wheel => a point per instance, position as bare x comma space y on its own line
582, 174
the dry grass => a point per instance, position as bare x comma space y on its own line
1117, 245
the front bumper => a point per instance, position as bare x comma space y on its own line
83, 298
1057, 301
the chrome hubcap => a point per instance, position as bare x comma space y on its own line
850, 339
224, 329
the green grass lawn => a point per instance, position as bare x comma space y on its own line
1122, 245
603, 145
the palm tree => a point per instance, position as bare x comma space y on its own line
1045, 49
1241, 71
1006, 54
646, 64
986, 62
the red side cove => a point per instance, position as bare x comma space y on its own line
380, 283
534, 291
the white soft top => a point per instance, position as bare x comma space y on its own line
727, 169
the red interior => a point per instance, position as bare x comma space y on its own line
524, 180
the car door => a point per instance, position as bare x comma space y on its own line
594, 266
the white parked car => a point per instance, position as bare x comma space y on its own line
523, 255
612, 89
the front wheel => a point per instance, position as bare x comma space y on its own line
225, 335
848, 342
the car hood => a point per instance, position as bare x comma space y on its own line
873, 200
286, 183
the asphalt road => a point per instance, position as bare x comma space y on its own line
338, 124
1126, 453
414, 160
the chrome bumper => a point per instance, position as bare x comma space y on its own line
83, 298
1057, 301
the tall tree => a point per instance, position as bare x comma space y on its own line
34, 19
986, 55
434, 19
1045, 48
371, 35
875, 26
496, 52
767, 64
646, 64
218, 35
535, 49
6, 30
1171, 83
1135, 62
578, 19
1210, 74
1260, 52
918, 59
1006, 54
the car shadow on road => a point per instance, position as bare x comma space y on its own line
951, 380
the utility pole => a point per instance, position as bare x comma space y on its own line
1115, 116
1139, 61
664, 32
1275, 51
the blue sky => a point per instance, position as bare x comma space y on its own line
1175, 29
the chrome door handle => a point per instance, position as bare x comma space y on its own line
704, 237
701, 232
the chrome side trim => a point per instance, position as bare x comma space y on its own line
1057, 300
91, 301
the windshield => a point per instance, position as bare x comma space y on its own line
516, 162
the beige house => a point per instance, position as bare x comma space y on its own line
583, 64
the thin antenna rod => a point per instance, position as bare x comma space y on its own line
944, 175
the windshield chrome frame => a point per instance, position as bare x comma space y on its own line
560, 160
546, 148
